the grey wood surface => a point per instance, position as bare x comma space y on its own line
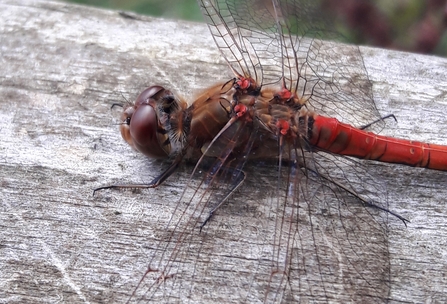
63, 66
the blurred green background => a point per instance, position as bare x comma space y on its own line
408, 25
173, 9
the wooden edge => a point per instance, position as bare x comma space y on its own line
63, 66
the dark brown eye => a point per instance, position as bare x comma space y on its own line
143, 129
140, 124
148, 94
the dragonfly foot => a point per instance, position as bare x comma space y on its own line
378, 120
206, 221
129, 186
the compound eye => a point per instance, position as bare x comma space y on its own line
143, 130
149, 93
140, 124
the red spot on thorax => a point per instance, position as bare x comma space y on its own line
285, 94
240, 110
243, 83
283, 126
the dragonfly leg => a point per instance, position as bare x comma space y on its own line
153, 184
238, 179
378, 120
365, 202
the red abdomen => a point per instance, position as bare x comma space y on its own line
331, 135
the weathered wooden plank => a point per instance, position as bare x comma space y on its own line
62, 68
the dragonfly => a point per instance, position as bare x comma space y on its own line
303, 102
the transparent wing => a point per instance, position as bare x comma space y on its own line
247, 36
329, 75
294, 233
327, 230
301, 232
292, 41
338, 236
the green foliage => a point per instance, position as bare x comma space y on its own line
402, 19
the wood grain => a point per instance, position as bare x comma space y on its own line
63, 66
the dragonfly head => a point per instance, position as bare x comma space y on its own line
141, 127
